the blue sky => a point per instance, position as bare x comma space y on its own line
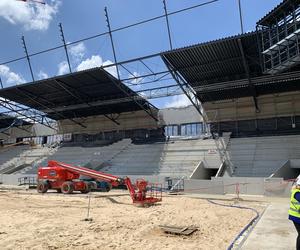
39, 25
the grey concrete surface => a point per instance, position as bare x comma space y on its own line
274, 230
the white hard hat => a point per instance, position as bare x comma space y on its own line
298, 182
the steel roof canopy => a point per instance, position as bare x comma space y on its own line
281, 10
215, 69
78, 94
219, 61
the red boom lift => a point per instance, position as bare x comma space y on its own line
65, 178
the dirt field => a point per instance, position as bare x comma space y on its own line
55, 221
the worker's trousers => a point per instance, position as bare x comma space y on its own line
298, 238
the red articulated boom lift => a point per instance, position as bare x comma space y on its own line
65, 178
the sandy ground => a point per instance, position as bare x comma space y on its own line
55, 221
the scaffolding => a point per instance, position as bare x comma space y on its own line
279, 34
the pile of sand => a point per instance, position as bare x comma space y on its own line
55, 221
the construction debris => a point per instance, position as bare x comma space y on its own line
186, 231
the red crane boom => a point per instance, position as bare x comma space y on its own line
64, 177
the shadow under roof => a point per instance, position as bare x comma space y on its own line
79, 94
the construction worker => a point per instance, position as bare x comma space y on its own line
294, 211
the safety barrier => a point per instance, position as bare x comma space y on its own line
246, 186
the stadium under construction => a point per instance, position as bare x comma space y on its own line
240, 135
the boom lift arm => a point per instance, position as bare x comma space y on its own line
139, 192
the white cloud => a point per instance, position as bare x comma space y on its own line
63, 68
42, 75
178, 101
112, 69
31, 15
137, 80
142, 94
77, 51
92, 62
9, 77
96, 61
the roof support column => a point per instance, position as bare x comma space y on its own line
112, 41
250, 84
168, 25
28, 58
65, 45
146, 106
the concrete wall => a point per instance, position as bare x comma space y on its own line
202, 173
286, 171
295, 163
12, 179
247, 186
96, 124
283, 104
203, 186
173, 116
26, 131
132, 120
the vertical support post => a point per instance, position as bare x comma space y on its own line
168, 25
111, 41
260, 49
247, 71
88, 218
237, 191
65, 45
241, 16
27, 56
285, 25
1, 83
277, 32
294, 18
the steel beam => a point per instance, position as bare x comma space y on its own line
186, 89
27, 56
168, 24
247, 71
67, 87
65, 46
33, 117
31, 96
111, 40
142, 103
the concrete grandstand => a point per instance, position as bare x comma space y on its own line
237, 141
243, 121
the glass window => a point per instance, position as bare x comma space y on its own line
171, 130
